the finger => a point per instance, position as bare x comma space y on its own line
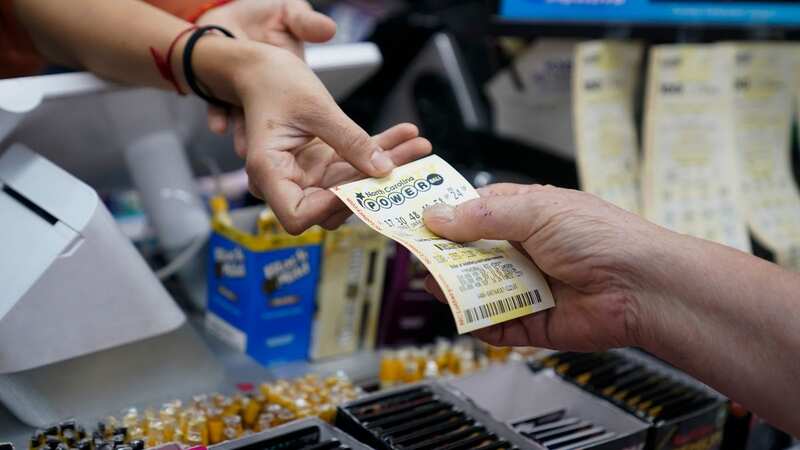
507, 189
483, 218
533, 329
396, 135
217, 119
239, 133
410, 151
336, 220
433, 288
312, 208
254, 191
274, 175
307, 24
327, 121
507, 334
401, 154
492, 335
403, 143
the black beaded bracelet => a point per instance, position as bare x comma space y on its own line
188, 70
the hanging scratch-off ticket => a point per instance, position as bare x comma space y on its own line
485, 282
690, 183
604, 79
761, 110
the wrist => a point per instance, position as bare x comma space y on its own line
688, 279
217, 62
658, 273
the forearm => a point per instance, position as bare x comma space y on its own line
113, 40
731, 320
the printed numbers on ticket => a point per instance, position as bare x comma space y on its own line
485, 282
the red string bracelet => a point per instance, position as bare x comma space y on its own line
204, 8
163, 64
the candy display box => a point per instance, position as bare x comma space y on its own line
262, 287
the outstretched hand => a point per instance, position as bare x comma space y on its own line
296, 140
591, 252
294, 174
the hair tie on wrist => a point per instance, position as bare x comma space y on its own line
164, 63
188, 70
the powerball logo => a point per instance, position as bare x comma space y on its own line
398, 193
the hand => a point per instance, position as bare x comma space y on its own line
299, 142
302, 142
705, 308
287, 24
594, 255
282, 23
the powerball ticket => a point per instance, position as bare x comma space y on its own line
485, 282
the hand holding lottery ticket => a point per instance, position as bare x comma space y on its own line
485, 282
601, 262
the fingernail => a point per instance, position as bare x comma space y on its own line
381, 162
218, 123
440, 213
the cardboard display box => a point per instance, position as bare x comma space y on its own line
262, 287
350, 291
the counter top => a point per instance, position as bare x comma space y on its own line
239, 368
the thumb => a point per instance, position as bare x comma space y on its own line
502, 218
307, 24
350, 141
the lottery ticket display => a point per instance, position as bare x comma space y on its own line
690, 183
760, 109
485, 282
605, 77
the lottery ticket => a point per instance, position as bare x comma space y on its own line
690, 181
485, 282
605, 78
760, 108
